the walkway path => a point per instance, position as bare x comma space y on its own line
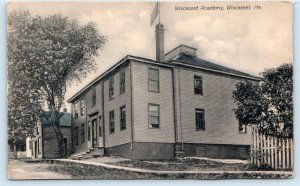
174, 172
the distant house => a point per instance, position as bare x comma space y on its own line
44, 144
177, 105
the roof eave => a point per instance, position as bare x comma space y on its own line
216, 71
70, 100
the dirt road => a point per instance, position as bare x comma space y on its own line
21, 170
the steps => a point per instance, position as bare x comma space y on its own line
88, 153
179, 151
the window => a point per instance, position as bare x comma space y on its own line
153, 80
82, 107
31, 147
111, 88
37, 130
123, 117
242, 129
122, 81
198, 85
93, 97
89, 131
76, 110
39, 145
76, 135
111, 122
200, 120
153, 113
82, 133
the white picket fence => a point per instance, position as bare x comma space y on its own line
278, 153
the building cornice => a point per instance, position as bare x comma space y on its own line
216, 71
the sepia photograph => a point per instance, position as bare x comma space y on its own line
150, 90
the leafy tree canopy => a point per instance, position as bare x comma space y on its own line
268, 104
44, 54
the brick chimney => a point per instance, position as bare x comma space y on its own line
159, 36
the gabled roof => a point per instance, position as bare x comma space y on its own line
65, 119
195, 61
182, 59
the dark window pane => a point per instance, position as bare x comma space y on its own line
242, 128
111, 88
123, 117
200, 123
111, 122
122, 82
94, 97
198, 85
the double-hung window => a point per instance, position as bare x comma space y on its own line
93, 97
153, 115
122, 82
111, 88
153, 80
82, 106
123, 117
200, 119
76, 110
111, 122
198, 85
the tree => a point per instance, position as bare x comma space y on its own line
268, 104
46, 54
21, 112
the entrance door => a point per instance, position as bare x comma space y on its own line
94, 132
35, 149
89, 134
100, 133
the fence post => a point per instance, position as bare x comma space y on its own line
283, 154
292, 153
261, 150
288, 153
254, 146
276, 153
265, 149
272, 152
269, 149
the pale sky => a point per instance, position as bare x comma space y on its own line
245, 40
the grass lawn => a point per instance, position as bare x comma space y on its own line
83, 171
187, 164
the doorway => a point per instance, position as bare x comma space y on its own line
94, 133
35, 149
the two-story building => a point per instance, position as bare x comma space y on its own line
177, 105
